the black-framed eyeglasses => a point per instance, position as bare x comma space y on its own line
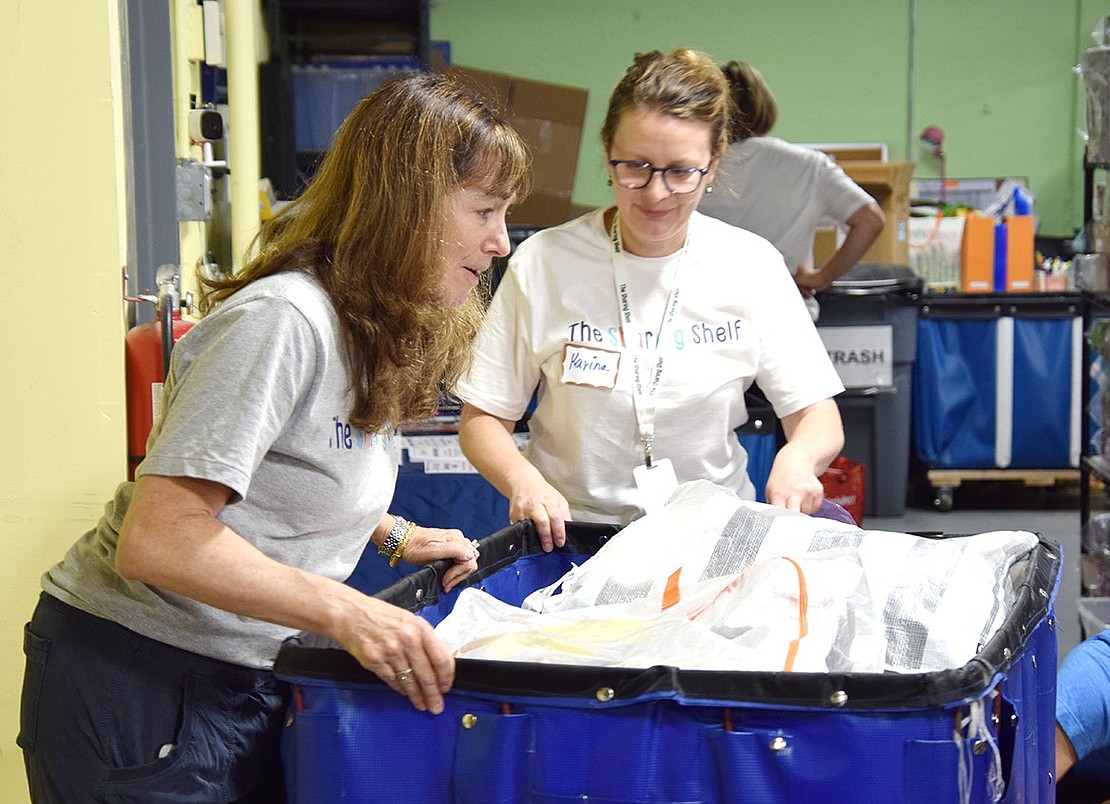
634, 175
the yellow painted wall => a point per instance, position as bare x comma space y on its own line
62, 252
61, 324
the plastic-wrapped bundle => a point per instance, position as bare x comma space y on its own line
1094, 66
879, 601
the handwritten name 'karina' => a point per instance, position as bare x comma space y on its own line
580, 362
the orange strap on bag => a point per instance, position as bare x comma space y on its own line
803, 623
672, 595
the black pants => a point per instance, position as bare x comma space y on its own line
109, 715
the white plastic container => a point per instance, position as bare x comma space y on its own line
1094, 615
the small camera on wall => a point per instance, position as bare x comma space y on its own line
205, 125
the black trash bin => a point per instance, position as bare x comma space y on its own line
877, 417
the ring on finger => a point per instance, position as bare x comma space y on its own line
404, 676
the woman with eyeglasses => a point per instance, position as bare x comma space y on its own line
639, 327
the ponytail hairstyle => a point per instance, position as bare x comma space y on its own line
754, 110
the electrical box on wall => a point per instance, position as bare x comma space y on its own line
194, 191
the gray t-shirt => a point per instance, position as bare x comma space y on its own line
783, 192
259, 402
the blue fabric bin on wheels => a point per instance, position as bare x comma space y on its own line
531, 732
997, 382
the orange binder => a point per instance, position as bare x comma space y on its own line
977, 254
1019, 254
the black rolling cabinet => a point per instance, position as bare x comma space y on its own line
324, 56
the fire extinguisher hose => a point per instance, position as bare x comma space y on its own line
166, 311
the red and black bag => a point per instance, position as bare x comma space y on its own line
843, 482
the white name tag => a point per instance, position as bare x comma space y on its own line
588, 365
655, 485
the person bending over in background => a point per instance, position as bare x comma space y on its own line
784, 192
640, 325
1083, 723
150, 653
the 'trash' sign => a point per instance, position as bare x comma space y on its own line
862, 356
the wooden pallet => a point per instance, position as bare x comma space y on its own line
944, 481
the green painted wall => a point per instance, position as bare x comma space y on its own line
998, 78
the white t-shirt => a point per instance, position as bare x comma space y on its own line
739, 319
783, 192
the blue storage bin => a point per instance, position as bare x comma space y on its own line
761, 449
528, 732
954, 393
324, 94
996, 385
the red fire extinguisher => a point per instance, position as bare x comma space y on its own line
147, 351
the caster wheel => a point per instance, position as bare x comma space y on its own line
942, 499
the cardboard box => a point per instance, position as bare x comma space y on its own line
889, 184
550, 118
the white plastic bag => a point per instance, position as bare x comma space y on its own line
709, 568
807, 614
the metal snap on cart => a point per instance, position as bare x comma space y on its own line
530, 732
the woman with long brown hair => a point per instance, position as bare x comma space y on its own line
271, 469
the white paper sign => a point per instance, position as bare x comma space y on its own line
441, 454
862, 356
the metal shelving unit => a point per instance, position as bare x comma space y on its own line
1090, 466
303, 32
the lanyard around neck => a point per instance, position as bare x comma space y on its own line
647, 358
